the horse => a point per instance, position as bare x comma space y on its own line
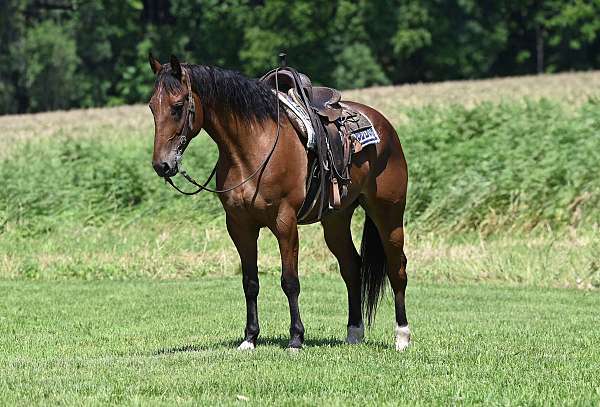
261, 177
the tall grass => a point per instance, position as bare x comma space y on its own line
485, 168
497, 166
91, 182
92, 207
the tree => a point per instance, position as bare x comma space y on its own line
67, 53
49, 70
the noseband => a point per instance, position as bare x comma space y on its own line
187, 128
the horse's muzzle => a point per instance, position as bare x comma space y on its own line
164, 169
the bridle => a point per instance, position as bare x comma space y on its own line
187, 128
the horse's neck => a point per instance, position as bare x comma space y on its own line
240, 144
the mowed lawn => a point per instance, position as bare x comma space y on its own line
174, 342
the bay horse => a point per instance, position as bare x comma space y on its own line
255, 137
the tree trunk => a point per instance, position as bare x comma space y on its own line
539, 48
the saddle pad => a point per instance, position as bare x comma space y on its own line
367, 136
301, 115
361, 128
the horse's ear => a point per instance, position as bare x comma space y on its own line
154, 64
175, 67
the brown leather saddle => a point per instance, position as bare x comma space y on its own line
329, 159
323, 100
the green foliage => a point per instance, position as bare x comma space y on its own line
137, 80
412, 34
103, 44
113, 48
503, 165
486, 168
356, 68
7, 94
572, 27
11, 29
49, 69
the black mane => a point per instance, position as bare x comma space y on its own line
249, 99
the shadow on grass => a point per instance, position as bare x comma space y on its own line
272, 341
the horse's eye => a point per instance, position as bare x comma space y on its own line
176, 109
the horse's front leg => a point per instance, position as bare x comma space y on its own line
245, 236
286, 232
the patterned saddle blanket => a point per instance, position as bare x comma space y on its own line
351, 124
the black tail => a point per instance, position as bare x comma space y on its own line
373, 269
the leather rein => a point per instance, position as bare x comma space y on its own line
187, 128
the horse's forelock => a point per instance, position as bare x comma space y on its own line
167, 81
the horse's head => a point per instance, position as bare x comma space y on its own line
178, 115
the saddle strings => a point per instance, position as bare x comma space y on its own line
203, 187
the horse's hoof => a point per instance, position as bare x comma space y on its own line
295, 342
293, 350
246, 345
402, 337
355, 334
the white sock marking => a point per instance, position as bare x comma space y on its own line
402, 337
246, 345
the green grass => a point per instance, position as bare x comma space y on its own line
183, 249
173, 343
116, 290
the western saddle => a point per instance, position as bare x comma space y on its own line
329, 157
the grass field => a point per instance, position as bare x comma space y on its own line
173, 343
110, 294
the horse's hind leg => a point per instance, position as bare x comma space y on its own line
388, 220
336, 228
397, 261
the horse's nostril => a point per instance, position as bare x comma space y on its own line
161, 168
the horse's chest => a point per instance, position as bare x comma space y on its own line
246, 200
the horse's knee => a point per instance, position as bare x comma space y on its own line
290, 285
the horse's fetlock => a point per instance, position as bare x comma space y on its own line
251, 332
297, 331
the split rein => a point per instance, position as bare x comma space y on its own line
187, 128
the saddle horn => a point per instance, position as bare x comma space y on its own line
282, 59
